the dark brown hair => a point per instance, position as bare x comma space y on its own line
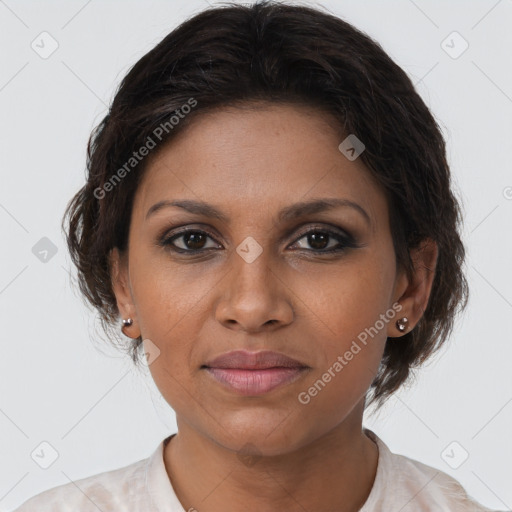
271, 52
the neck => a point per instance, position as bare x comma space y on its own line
334, 472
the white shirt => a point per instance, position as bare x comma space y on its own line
401, 485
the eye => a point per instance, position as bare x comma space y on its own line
191, 240
326, 241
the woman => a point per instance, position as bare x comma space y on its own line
268, 216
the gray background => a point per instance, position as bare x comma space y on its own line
57, 384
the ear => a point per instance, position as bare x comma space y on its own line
121, 287
413, 293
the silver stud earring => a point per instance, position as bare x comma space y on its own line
401, 324
126, 323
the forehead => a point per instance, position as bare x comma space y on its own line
244, 160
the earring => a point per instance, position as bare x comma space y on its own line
126, 323
401, 324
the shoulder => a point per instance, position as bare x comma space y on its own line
425, 485
110, 490
413, 486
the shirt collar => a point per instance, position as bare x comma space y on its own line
158, 484
164, 498
382, 475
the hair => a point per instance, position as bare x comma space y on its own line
236, 55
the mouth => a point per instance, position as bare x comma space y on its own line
255, 382
254, 373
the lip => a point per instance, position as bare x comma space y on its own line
245, 360
255, 382
254, 373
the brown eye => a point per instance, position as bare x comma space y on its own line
191, 240
326, 241
194, 240
318, 240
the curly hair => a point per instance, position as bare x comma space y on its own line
276, 53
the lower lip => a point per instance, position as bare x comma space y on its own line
255, 382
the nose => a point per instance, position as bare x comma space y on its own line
253, 297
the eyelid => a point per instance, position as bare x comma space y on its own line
166, 237
342, 237
313, 226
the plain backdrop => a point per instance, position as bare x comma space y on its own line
93, 409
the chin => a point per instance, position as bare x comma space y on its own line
257, 433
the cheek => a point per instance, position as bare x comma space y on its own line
348, 365
348, 301
352, 313
168, 295
170, 309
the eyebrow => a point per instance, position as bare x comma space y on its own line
293, 211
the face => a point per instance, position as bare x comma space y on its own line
308, 285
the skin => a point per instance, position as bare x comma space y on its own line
250, 164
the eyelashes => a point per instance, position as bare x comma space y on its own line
195, 241
169, 241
